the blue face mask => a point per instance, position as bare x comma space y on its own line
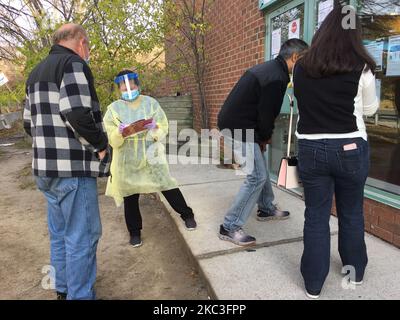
134, 94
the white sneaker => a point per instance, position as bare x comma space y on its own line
312, 296
357, 283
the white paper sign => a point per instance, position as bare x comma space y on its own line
378, 84
294, 29
276, 42
324, 8
3, 79
375, 49
393, 64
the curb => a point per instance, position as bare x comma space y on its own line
211, 293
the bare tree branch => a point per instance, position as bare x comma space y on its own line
189, 33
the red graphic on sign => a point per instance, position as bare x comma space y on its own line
294, 27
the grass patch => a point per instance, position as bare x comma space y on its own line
25, 178
101, 185
16, 129
24, 143
9, 109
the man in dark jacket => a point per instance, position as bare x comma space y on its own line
247, 122
70, 150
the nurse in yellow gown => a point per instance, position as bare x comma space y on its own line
135, 125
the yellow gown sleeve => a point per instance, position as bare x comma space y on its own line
162, 122
115, 138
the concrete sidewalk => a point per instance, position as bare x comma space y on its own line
271, 269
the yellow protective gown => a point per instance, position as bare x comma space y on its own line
139, 163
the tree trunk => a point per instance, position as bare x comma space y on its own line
203, 103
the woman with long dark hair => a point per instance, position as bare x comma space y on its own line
334, 84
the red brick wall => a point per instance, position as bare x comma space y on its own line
235, 43
381, 221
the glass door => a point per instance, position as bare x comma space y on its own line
287, 22
321, 9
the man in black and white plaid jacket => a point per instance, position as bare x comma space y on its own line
70, 150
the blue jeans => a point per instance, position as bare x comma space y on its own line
257, 188
326, 169
75, 229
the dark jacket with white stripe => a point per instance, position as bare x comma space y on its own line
62, 114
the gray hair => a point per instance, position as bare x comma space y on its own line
291, 47
69, 32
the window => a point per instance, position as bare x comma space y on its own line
381, 32
286, 25
323, 8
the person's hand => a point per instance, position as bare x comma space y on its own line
263, 145
102, 154
152, 125
136, 127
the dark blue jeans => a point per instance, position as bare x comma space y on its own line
327, 169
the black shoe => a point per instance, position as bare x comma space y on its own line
238, 237
272, 215
61, 296
135, 241
312, 294
190, 223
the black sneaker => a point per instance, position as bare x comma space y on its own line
238, 237
61, 296
135, 241
190, 224
272, 215
313, 294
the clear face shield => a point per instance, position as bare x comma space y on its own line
130, 94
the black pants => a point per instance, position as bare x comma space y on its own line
133, 217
